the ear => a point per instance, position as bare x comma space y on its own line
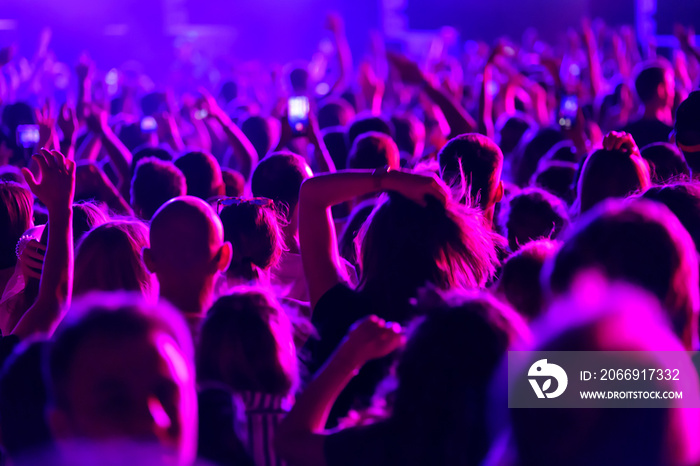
59, 424
661, 90
500, 191
148, 259
224, 257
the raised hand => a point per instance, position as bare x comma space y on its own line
96, 118
55, 185
67, 121
619, 140
209, 103
46, 125
416, 187
85, 68
335, 24
372, 338
31, 259
409, 71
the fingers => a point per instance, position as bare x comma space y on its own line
30, 272
50, 159
29, 178
35, 250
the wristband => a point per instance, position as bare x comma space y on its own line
378, 175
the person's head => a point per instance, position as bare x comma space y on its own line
259, 132
132, 136
610, 174
474, 162
683, 199
203, 174
247, 343
337, 145
86, 216
409, 135
228, 92
187, 249
365, 124
23, 401
279, 177
373, 150
534, 145
108, 258
299, 80
511, 129
10, 172
687, 131
666, 163
154, 183
147, 152
234, 182
7, 150
252, 227
557, 178
563, 151
444, 372
402, 246
15, 114
121, 370
335, 112
533, 214
628, 324
655, 85
153, 103
640, 242
16, 217
519, 283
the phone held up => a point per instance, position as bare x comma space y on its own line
298, 114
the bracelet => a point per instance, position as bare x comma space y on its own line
378, 175
22, 244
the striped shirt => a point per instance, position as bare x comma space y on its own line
264, 412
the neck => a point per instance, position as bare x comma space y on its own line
488, 215
191, 300
658, 112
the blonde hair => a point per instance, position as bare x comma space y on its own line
108, 258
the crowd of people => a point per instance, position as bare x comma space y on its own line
326, 263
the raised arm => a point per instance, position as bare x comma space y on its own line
118, 154
55, 188
300, 437
594, 69
459, 120
84, 71
323, 159
68, 123
337, 27
243, 149
317, 235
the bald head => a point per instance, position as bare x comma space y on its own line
186, 235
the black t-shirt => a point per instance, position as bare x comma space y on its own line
374, 445
218, 441
337, 310
647, 132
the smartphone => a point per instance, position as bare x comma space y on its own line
298, 113
148, 125
568, 109
27, 136
201, 114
